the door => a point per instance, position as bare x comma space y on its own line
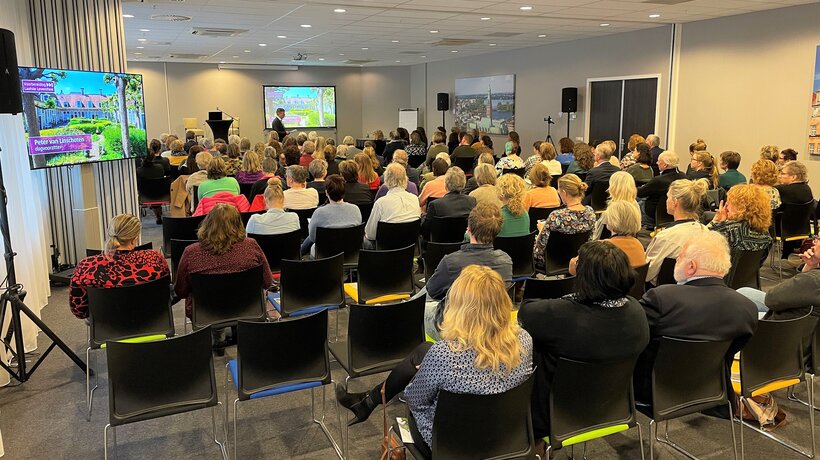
640, 101
605, 110
621, 107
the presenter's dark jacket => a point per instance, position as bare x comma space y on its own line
565, 327
796, 193
700, 309
599, 176
655, 190
452, 204
279, 127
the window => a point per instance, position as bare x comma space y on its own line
813, 130
79, 105
811, 149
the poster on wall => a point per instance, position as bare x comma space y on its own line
486, 104
814, 122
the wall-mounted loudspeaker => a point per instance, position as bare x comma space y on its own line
569, 100
11, 100
443, 100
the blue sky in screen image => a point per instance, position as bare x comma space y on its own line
478, 85
92, 82
817, 70
306, 91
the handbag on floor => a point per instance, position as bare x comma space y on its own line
392, 447
764, 410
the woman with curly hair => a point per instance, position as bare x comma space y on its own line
511, 190
584, 159
764, 177
745, 219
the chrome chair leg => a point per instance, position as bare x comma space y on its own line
321, 421
732, 424
105, 441
235, 417
783, 442
222, 447
640, 441
89, 392
652, 437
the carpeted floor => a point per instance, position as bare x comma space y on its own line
45, 417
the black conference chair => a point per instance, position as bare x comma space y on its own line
345, 240
130, 313
142, 247
794, 227
465, 163
154, 192
519, 248
179, 228
304, 215
177, 248
461, 428
666, 275
662, 218
220, 300
307, 286
581, 175
771, 360
157, 379
245, 189
517, 171
639, 288
433, 255
598, 198
383, 276
581, 409
278, 247
246, 216
560, 249
549, 288
745, 269
365, 209
447, 229
537, 214
688, 376
301, 363
554, 179
196, 196
378, 338
397, 235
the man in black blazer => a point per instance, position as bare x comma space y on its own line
655, 190
277, 124
598, 176
653, 141
452, 204
701, 307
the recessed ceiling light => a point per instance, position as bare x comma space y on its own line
148, 30
525, 8
221, 62
140, 47
263, 44
128, 16
234, 57
434, 31
247, 51
365, 48
424, 56
398, 61
142, 39
341, 54
604, 24
653, 16
542, 36
340, 10
321, 59
138, 53
394, 41
485, 18
454, 51
306, 26
281, 36
492, 44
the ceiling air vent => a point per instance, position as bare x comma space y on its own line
170, 17
359, 61
504, 34
216, 32
455, 42
411, 52
187, 56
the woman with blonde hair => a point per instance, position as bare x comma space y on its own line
511, 189
698, 146
542, 194
770, 152
485, 177
745, 219
793, 183
704, 167
275, 220
574, 218
374, 161
621, 188
764, 176
482, 351
367, 175
683, 201
546, 152
251, 169
119, 264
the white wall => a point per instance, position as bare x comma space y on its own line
746, 81
384, 91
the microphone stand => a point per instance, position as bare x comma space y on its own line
228, 114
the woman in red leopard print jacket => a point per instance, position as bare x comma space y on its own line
119, 265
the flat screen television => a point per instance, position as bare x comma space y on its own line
76, 116
306, 107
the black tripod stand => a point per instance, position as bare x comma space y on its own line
549, 130
12, 300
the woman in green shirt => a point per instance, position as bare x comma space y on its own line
217, 180
511, 190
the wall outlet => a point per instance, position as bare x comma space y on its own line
573, 116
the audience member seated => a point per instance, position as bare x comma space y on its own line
654, 191
599, 323
251, 170
512, 139
631, 157
770, 152
534, 158
548, 158
151, 167
699, 307
307, 153
374, 160
217, 180
794, 183
207, 204
584, 159
155, 147
202, 160
463, 150
190, 140
397, 206
318, 171
512, 160
367, 175
485, 157
744, 219
269, 168
542, 194
786, 155
400, 157
188, 167
697, 146
621, 188
703, 167
623, 220
431, 175
355, 192
119, 265
598, 176
223, 248
574, 218
613, 147
335, 214
177, 154
275, 221
729, 162
486, 191
416, 151
641, 170
683, 203
298, 196
511, 189
764, 177
396, 143
482, 351
452, 204
566, 146
654, 142
233, 163
438, 147
352, 150
436, 188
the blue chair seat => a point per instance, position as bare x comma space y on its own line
273, 297
234, 369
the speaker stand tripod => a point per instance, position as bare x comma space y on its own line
11, 300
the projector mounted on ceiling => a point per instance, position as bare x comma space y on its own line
300, 57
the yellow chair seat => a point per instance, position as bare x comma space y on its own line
774, 386
142, 339
352, 290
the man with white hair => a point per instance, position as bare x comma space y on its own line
397, 206
598, 176
654, 191
352, 150
699, 307
653, 141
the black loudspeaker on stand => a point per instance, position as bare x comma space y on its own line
11, 300
443, 104
569, 103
